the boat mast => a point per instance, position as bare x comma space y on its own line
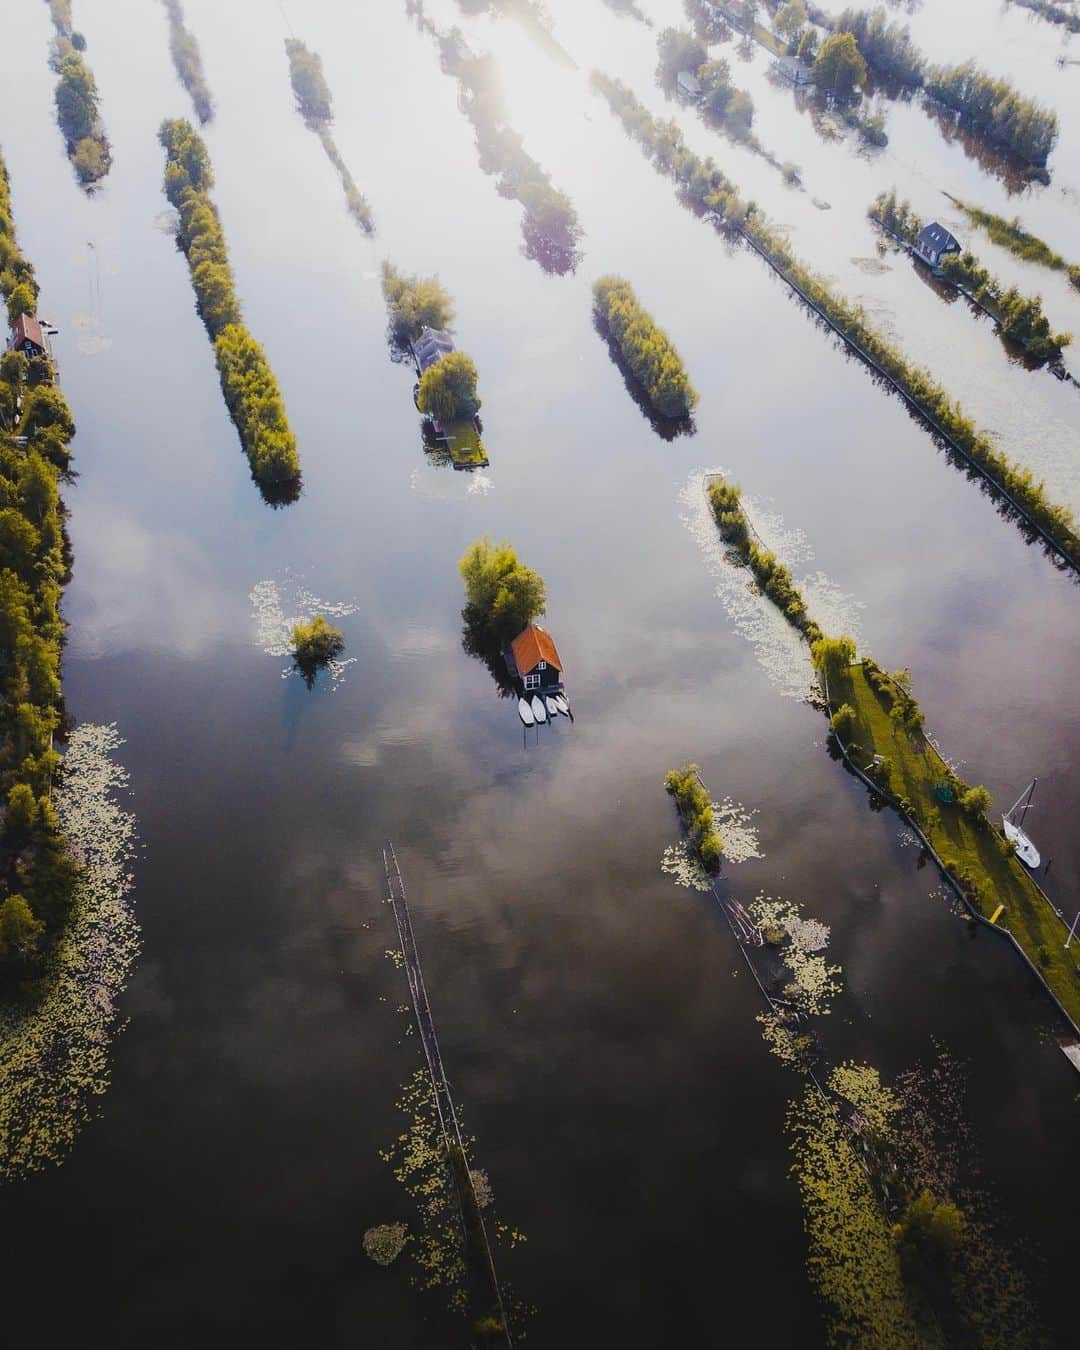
1027, 804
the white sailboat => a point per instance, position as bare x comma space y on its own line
1014, 830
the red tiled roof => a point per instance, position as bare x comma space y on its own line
533, 646
27, 329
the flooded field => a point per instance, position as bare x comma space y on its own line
215, 1169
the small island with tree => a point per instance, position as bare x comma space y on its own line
647, 351
696, 809
77, 99
314, 646
420, 314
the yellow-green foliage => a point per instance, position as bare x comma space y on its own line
897, 215
696, 809
316, 643
705, 186
448, 388
1011, 234
994, 108
414, 303
646, 349
504, 596
1021, 317
250, 387
76, 101
36, 875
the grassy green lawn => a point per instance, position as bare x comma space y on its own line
466, 448
972, 851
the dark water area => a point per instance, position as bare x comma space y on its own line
596, 1021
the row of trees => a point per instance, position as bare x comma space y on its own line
886, 46
550, 227
37, 875
696, 809
315, 103
772, 575
993, 108
1021, 317
77, 101
704, 186
646, 349
251, 390
187, 59
1012, 235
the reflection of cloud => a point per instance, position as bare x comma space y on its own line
136, 589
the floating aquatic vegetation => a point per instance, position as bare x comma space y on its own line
852, 1259
790, 1047
278, 606
54, 1058
481, 1184
813, 981
681, 862
480, 484
739, 834
790, 544
385, 1243
861, 1085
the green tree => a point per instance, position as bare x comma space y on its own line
930, 1231
20, 816
448, 388
832, 656
839, 67
21, 300
19, 929
790, 19
807, 49
678, 50
90, 159
843, 721
218, 304
46, 408
13, 368
308, 82
316, 644
503, 595
975, 802
414, 303
76, 100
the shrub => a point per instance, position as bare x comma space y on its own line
19, 928
90, 159
448, 388
316, 643
414, 303
842, 722
503, 595
975, 802
697, 812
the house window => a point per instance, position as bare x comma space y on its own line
532, 681
542, 666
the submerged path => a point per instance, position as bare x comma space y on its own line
479, 1256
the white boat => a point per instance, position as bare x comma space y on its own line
562, 705
538, 709
552, 706
1014, 830
525, 712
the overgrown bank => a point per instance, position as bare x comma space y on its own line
704, 187
880, 727
647, 350
37, 873
77, 110
1012, 235
247, 381
695, 807
1020, 317
316, 105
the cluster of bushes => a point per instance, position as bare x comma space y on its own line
550, 227
772, 575
1021, 317
76, 100
414, 303
705, 186
247, 381
448, 388
187, 59
897, 215
886, 47
994, 108
646, 349
697, 812
315, 104
503, 596
37, 875
1011, 234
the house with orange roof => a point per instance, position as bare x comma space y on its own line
534, 659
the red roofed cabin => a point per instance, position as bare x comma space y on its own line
537, 659
27, 337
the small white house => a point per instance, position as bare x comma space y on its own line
689, 85
934, 242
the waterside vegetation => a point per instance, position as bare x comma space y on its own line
186, 57
696, 808
646, 348
705, 188
1019, 317
414, 303
503, 596
77, 100
247, 381
314, 645
37, 872
316, 105
1012, 235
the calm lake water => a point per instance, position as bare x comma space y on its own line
596, 1022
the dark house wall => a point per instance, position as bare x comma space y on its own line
549, 679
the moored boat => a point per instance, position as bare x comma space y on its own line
538, 709
525, 712
1014, 830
